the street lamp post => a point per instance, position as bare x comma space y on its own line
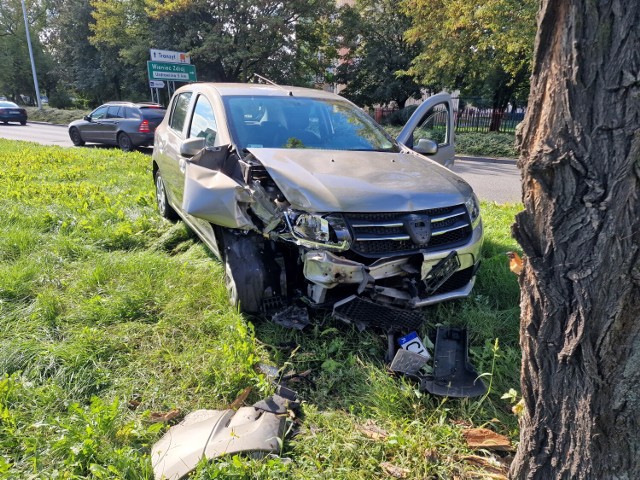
33, 64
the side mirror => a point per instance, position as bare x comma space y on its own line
87, 118
191, 146
426, 147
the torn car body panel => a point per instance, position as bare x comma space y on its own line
213, 433
213, 196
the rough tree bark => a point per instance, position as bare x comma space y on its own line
580, 300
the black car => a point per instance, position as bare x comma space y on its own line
10, 112
125, 124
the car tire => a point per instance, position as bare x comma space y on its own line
76, 137
245, 275
162, 201
23, 123
124, 142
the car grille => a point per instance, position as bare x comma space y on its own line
379, 234
365, 313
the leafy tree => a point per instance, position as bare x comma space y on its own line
375, 51
477, 46
231, 40
15, 75
96, 73
580, 230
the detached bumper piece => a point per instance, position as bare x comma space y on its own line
364, 313
453, 374
212, 433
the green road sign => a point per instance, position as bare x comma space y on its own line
171, 71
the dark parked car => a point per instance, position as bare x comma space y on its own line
10, 112
127, 125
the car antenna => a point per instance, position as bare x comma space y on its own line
264, 79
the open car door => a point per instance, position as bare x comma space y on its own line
429, 131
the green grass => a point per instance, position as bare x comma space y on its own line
55, 115
102, 301
492, 144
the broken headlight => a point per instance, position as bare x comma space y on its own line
316, 231
473, 207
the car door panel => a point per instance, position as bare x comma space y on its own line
432, 120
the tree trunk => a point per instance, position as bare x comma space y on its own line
580, 231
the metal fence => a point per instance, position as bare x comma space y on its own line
466, 119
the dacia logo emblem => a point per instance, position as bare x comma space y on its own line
419, 228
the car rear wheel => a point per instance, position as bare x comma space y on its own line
124, 142
76, 138
23, 122
164, 208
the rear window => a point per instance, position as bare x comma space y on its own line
153, 112
8, 105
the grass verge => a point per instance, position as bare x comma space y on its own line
110, 313
55, 115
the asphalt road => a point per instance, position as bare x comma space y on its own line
494, 180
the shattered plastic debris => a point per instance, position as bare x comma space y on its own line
408, 362
292, 317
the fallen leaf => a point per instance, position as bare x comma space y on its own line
491, 467
237, 403
372, 431
157, 417
431, 455
485, 438
394, 471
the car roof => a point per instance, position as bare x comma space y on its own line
133, 104
252, 89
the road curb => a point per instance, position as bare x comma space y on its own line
38, 122
502, 160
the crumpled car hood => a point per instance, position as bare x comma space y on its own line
354, 181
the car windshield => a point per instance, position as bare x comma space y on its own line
298, 122
8, 105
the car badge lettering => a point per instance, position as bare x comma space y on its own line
419, 228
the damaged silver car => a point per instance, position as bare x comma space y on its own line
304, 197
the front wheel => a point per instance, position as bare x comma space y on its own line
162, 201
245, 273
124, 142
76, 138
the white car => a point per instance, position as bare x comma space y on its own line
303, 196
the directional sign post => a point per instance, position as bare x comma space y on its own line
156, 84
169, 56
171, 71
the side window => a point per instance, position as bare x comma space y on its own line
99, 113
434, 126
179, 111
203, 123
133, 113
115, 112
